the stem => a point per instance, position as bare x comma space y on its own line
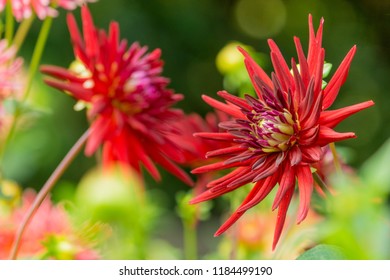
37, 55
36, 58
320, 182
190, 241
47, 187
9, 22
336, 160
22, 31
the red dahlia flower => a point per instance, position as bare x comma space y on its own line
128, 103
277, 136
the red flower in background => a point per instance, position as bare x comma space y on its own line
277, 136
128, 103
51, 222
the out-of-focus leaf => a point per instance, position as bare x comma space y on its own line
322, 252
376, 169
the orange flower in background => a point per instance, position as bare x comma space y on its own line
128, 103
50, 227
279, 135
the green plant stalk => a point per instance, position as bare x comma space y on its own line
22, 31
35, 61
9, 23
37, 54
47, 187
190, 240
336, 160
320, 182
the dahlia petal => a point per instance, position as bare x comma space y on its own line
216, 166
237, 214
225, 151
255, 70
99, 130
286, 182
327, 135
60, 73
312, 154
281, 68
266, 186
305, 186
303, 67
281, 217
309, 136
234, 100
334, 117
229, 109
172, 168
333, 87
230, 177
90, 34
77, 90
295, 156
319, 72
221, 136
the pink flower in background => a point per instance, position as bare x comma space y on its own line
11, 79
23, 9
128, 104
50, 222
279, 135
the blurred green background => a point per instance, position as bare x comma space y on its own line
190, 34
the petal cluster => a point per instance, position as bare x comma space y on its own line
128, 102
24, 9
278, 135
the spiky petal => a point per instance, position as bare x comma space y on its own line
276, 137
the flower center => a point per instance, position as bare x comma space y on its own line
274, 131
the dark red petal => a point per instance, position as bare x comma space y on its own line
334, 117
308, 136
333, 87
171, 167
286, 182
225, 151
305, 186
266, 186
295, 155
229, 109
281, 217
304, 68
99, 130
312, 154
235, 100
218, 136
217, 166
327, 135
281, 68
237, 214
255, 70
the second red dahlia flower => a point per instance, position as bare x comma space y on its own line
277, 136
128, 103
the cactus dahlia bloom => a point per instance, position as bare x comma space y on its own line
23, 9
280, 134
128, 104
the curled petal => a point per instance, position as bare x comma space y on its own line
305, 186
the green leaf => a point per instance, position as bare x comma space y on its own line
326, 70
322, 252
376, 169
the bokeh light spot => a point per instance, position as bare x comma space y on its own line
260, 18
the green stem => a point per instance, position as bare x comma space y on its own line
9, 23
22, 31
190, 241
37, 55
336, 160
35, 61
320, 182
47, 187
